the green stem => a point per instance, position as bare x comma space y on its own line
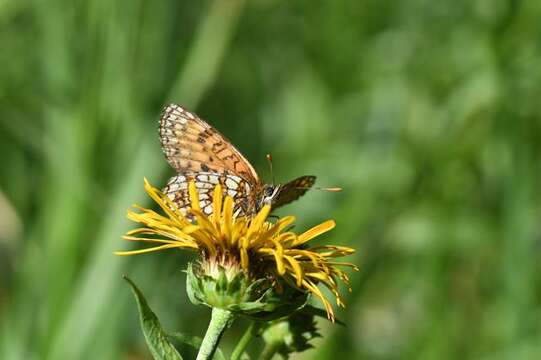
219, 322
269, 350
245, 340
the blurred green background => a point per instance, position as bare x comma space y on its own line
427, 113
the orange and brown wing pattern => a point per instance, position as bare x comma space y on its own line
234, 186
293, 190
192, 145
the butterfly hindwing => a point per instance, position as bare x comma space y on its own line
191, 145
234, 186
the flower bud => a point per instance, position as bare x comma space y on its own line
228, 287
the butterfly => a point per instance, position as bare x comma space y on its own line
199, 153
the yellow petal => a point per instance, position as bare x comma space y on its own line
296, 268
155, 195
280, 225
228, 216
194, 197
258, 220
217, 205
279, 258
203, 221
315, 231
315, 290
244, 260
147, 250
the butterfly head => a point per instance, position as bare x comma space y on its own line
269, 194
282, 194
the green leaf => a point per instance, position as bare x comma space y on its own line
160, 347
195, 342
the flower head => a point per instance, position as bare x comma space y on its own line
251, 246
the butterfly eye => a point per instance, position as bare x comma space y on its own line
269, 191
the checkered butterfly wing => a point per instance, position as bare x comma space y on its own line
192, 145
199, 153
293, 190
234, 186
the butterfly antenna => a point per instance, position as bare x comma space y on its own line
329, 189
269, 160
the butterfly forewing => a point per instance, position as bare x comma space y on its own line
192, 145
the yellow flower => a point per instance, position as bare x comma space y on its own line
259, 248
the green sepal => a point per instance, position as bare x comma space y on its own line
222, 282
235, 285
255, 299
156, 338
256, 286
192, 285
273, 305
195, 342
